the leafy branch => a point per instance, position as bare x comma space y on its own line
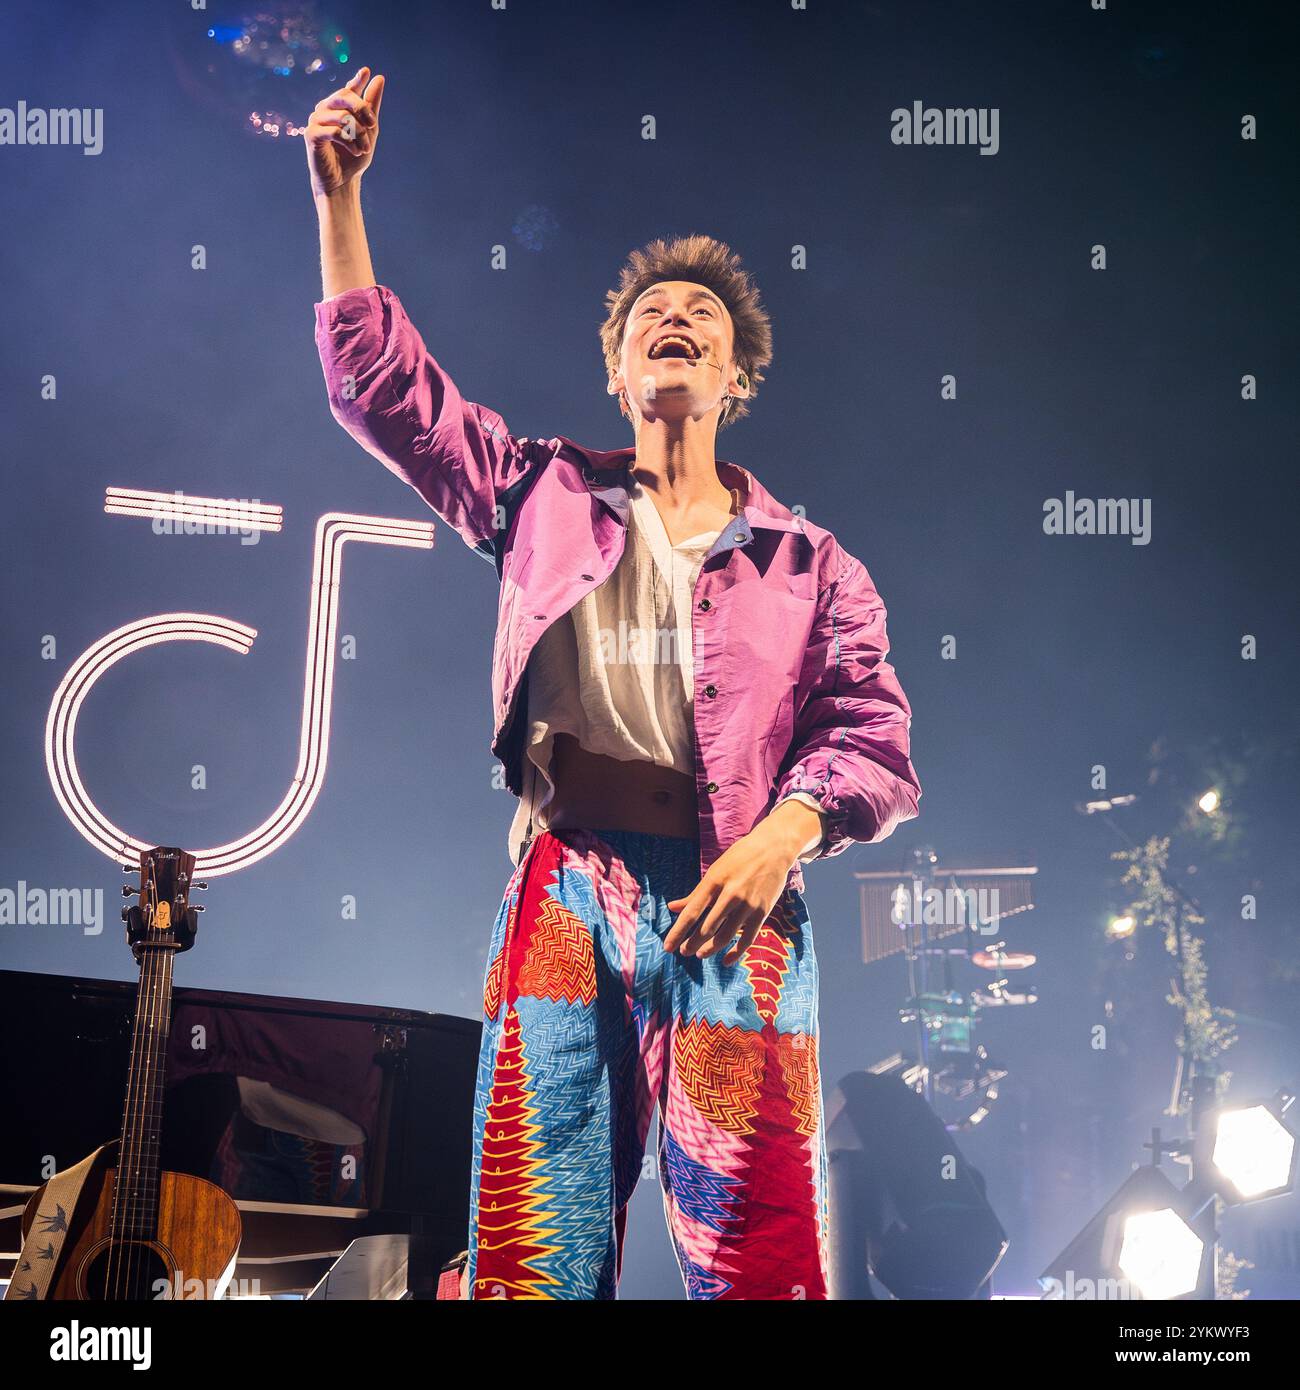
1207, 1032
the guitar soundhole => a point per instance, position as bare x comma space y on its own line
129, 1271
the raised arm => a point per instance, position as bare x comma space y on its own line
384, 386
340, 138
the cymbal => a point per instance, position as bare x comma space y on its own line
1004, 960
1000, 998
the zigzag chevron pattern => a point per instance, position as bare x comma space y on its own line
698, 1192
783, 1258
502, 930
720, 1069
618, 895
560, 963
798, 1054
767, 962
702, 1284
703, 1141
492, 985
515, 1228
589, 1024
572, 1109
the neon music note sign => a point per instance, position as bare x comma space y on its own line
333, 531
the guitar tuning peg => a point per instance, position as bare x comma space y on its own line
128, 889
197, 907
130, 868
198, 885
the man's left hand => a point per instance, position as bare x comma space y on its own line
735, 897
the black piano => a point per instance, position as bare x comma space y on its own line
325, 1122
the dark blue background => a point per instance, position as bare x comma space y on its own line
1119, 127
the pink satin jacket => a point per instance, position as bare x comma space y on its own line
792, 688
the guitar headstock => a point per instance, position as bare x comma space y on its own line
163, 916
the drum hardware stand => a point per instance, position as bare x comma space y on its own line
944, 1018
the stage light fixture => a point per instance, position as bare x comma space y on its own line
1160, 1253
1141, 1244
1254, 1153
907, 1208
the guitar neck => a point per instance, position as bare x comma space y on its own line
135, 1201
160, 926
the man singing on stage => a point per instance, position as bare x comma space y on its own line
691, 699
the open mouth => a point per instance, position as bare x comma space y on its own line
673, 345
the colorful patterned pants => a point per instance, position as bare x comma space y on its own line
588, 1024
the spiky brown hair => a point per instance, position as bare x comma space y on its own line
702, 261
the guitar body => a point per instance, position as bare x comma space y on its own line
172, 1236
192, 1256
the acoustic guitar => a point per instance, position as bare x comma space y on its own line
138, 1233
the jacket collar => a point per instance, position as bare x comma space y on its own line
605, 472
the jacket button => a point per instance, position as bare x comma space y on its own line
739, 538
710, 691
712, 787
705, 605
539, 617
588, 576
